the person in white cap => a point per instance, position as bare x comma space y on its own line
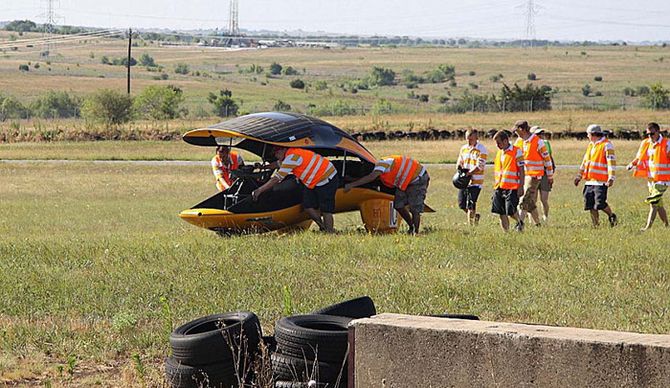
545, 186
597, 169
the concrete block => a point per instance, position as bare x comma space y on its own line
401, 351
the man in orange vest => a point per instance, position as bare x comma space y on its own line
597, 169
537, 163
410, 180
223, 163
318, 176
653, 159
508, 173
472, 158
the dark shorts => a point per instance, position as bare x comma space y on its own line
505, 202
467, 198
321, 197
414, 196
595, 197
544, 183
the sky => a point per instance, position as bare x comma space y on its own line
612, 20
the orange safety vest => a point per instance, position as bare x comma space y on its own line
403, 171
314, 168
533, 160
506, 172
642, 167
595, 168
659, 163
225, 170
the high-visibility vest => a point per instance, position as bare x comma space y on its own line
403, 171
532, 158
595, 168
659, 163
313, 169
506, 172
222, 170
470, 157
642, 167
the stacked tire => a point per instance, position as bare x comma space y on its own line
214, 351
311, 348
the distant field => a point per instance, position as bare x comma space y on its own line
95, 266
79, 69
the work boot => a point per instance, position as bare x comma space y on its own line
613, 220
477, 217
519, 226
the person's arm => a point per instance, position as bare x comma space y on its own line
633, 163
240, 160
548, 164
361, 181
522, 173
218, 175
611, 164
267, 186
479, 167
582, 167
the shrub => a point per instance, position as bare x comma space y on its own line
628, 91
105, 60
320, 85
224, 105
36, 65
382, 107
297, 84
181, 68
472, 73
473, 85
56, 104
337, 108
289, 70
381, 77
108, 106
658, 97
147, 60
160, 102
11, 108
586, 90
275, 68
532, 77
442, 73
642, 90
424, 98
598, 78
599, 94
496, 77
281, 106
24, 67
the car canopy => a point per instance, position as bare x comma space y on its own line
256, 131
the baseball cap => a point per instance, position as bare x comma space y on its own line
536, 130
520, 124
595, 129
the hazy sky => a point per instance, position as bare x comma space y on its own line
504, 19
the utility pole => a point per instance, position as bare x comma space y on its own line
50, 21
130, 43
530, 13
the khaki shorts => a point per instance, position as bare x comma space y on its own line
655, 197
528, 202
414, 196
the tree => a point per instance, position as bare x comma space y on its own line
21, 26
381, 77
160, 102
658, 97
108, 106
224, 105
11, 108
443, 73
275, 68
532, 76
147, 60
529, 98
281, 106
56, 104
297, 84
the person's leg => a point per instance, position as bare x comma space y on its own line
315, 215
663, 215
544, 198
651, 217
328, 222
416, 220
595, 218
326, 196
462, 202
535, 215
404, 213
504, 222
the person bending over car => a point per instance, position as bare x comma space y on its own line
410, 180
318, 176
223, 163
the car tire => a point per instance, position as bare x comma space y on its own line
288, 368
202, 342
313, 337
179, 375
362, 307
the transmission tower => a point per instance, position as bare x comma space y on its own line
530, 12
233, 19
49, 23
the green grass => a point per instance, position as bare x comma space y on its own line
91, 255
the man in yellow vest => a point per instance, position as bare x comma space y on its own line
653, 159
472, 158
537, 163
597, 169
318, 176
410, 180
223, 163
509, 173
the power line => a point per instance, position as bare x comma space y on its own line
64, 40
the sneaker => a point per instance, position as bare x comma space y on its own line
519, 226
477, 217
613, 220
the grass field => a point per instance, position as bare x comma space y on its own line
78, 68
96, 267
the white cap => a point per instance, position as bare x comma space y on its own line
536, 130
595, 129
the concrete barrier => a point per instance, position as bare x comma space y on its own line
401, 351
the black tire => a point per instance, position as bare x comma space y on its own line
296, 384
456, 316
203, 341
287, 368
270, 343
362, 307
313, 337
178, 375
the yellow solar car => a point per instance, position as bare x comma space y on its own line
234, 212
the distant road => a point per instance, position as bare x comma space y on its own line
182, 162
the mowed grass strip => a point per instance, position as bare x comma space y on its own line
95, 264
